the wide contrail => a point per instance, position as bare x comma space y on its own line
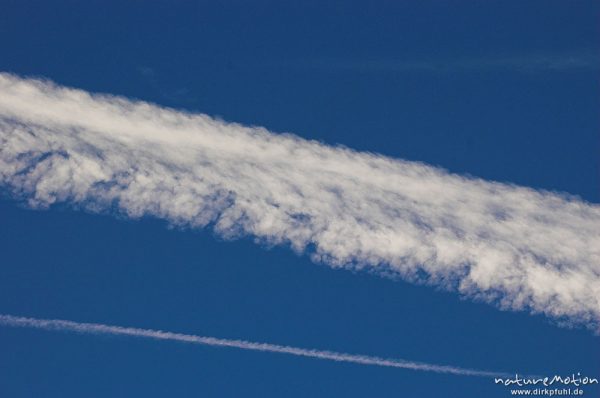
515, 247
97, 328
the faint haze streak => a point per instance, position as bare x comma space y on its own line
515, 247
96, 328
525, 63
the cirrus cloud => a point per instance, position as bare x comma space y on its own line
512, 246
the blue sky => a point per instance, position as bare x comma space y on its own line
504, 91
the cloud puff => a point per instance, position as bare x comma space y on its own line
515, 247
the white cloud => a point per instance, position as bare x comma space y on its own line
97, 328
513, 246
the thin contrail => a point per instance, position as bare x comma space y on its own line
98, 328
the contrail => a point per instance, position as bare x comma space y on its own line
515, 247
97, 328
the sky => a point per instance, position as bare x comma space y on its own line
501, 91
